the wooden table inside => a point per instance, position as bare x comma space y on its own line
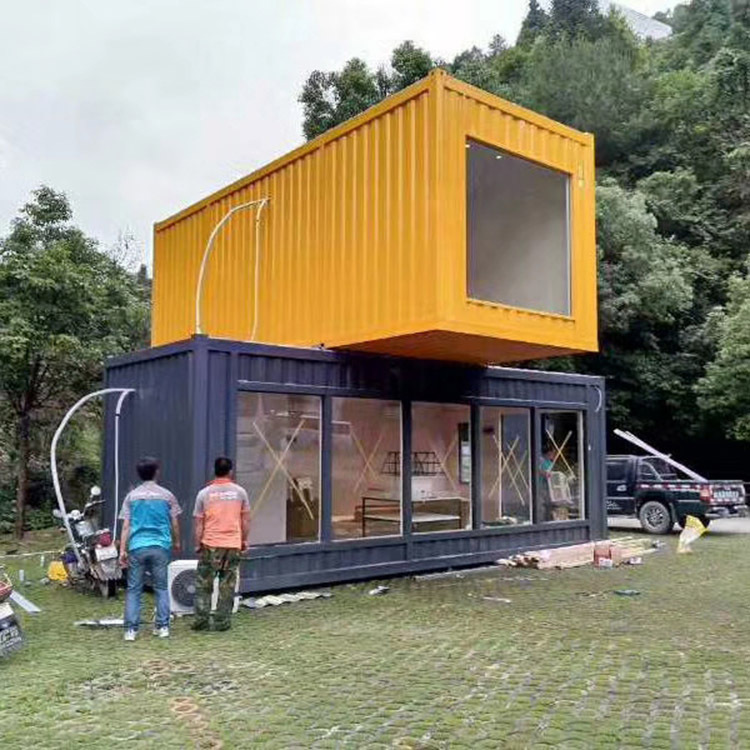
380, 511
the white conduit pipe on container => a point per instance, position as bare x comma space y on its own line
125, 393
257, 266
53, 453
261, 203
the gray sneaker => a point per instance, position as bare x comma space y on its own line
161, 632
130, 634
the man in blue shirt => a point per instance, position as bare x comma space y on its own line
149, 532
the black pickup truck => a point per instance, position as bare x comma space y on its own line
649, 488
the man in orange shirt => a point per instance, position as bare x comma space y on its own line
222, 532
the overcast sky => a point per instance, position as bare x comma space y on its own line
138, 107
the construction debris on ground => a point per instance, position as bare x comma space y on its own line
606, 554
274, 600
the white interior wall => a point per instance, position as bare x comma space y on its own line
517, 231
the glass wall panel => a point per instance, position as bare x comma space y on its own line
278, 463
518, 231
366, 468
506, 466
561, 466
441, 467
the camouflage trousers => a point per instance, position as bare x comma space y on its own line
212, 562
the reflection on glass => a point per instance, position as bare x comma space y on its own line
366, 468
506, 466
441, 467
278, 463
561, 467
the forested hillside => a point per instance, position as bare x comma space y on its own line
672, 127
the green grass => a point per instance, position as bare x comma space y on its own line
565, 664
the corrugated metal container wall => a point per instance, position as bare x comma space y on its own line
158, 420
364, 244
185, 412
469, 112
345, 241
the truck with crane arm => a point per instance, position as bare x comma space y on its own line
662, 492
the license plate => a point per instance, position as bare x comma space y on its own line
106, 553
726, 496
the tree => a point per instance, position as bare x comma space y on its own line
594, 85
534, 24
701, 28
644, 279
409, 64
724, 391
64, 307
574, 18
329, 99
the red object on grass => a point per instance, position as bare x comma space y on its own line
6, 589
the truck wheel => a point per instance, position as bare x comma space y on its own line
655, 517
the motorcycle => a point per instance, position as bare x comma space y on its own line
91, 560
11, 635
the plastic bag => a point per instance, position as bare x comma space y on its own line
692, 530
56, 572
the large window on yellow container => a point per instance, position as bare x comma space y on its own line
561, 470
518, 231
366, 457
440, 467
506, 466
278, 463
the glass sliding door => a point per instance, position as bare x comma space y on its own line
366, 462
441, 467
506, 466
278, 463
561, 470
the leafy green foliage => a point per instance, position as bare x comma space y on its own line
644, 280
534, 24
595, 85
576, 18
725, 388
65, 306
329, 99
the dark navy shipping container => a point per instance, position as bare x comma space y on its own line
361, 466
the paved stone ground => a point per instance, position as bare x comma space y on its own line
433, 664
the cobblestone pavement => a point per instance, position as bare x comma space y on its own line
441, 663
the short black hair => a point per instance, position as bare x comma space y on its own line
222, 466
147, 468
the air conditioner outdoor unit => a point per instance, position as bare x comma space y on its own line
181, 584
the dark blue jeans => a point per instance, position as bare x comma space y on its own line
156, 559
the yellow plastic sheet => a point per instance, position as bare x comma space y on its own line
692, 530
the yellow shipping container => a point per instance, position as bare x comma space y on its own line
443, 223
